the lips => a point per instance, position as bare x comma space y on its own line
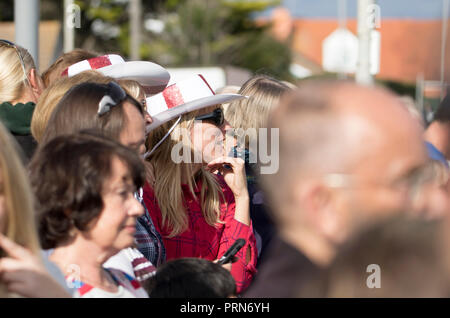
130, 227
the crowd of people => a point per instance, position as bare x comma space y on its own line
116, 184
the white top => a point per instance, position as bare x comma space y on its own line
127, 287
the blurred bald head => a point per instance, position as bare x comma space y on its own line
341, 131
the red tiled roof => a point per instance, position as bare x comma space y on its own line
408, 47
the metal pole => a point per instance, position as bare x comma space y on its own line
135, 28
363, 75
342, 18
26, 25
69, 27
445, 6
419, 95
342, 12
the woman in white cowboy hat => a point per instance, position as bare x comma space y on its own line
200, 208
151, 76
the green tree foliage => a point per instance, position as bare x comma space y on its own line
49, 10
196, 33
6, 10
210, 32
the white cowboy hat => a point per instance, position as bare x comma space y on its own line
148, 74
183, 97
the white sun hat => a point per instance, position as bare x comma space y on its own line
180, 98
191, 94
148, 74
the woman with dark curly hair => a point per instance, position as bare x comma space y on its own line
84, 185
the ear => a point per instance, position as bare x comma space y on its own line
37, 84
322, 210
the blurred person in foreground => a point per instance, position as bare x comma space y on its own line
23, 271
402, 257
349, 156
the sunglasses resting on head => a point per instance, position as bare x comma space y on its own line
12, 45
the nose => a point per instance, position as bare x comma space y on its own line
148, 118
226, 126
136, 209
142, 149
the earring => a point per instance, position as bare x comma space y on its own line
73, 229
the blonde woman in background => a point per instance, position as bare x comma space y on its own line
22, 271
264, 92
249, 116
233, 89
20, 88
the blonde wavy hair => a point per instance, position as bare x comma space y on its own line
20, 225
167, 176
53, 94
264, 93
12, 77
135, 90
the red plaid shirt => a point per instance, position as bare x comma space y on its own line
205, 241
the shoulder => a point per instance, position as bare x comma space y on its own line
125, 280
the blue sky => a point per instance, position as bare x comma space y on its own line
418, 9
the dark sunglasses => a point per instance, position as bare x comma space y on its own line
216, 116
12, 45
113, 97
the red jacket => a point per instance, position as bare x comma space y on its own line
205, 241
